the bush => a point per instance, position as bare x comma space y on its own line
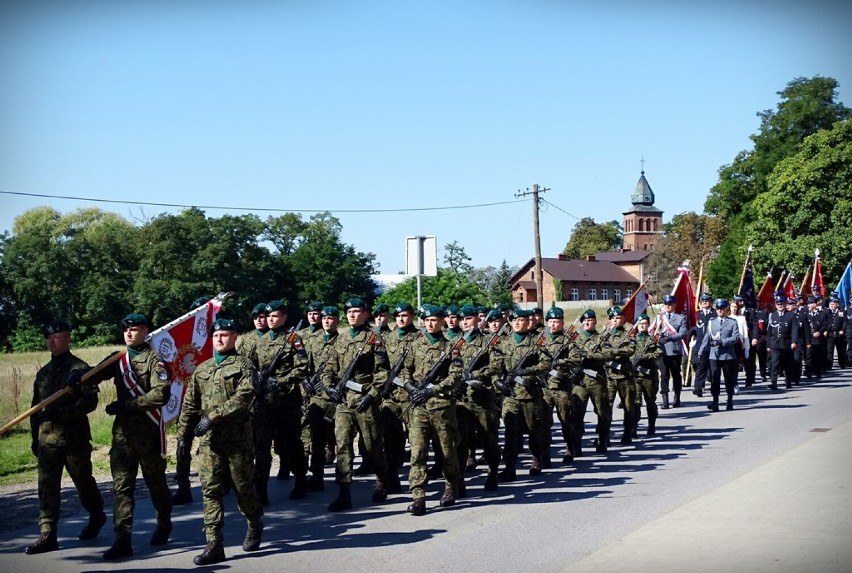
27, 338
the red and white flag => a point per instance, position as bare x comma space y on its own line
817, 286
636, 305
685, 296
183, 344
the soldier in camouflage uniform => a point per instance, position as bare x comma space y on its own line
646, 373
216, 410
358, 359
247, 342
395, 401
592, 354
143, 386
321, 410
61, 438
620, 370
521, 364
278, 408
475, 395
559, 384
312, 339
433, 406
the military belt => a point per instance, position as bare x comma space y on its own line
352, 385
613, 365
590, 373
644, 371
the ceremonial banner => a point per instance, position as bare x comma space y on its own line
746, 289
817, 285
789, 288
682, 290
807, 287
766, 296
636, 305
845, 285
183, 344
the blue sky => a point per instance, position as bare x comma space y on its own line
428, 107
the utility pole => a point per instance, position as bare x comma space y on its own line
539, 280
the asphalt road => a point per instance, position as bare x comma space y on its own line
542, 523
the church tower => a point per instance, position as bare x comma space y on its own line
643, 223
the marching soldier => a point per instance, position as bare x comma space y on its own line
216, 410
804, 339
247, 343
721, 338
394, 407
311, 336
433, 406
143, 387
701, 362
475, 396
452, 327
816, 355
356, 370
646, 371
61, 438
782, 331
836, 338
750, 314
380, 318
620, 371
521, 364
278, 409
320, 409
672, 333
559, 384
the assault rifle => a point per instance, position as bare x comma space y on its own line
432, 374
505, 386
336, 392
261, 385
637, 358
393, 375
311, 384
630, 338
481, 354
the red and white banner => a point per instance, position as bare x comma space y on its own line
636, 305
183, 344
685, 303
817, 285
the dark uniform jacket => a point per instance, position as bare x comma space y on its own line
72, 424
782, 329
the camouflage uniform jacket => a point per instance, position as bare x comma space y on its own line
154, 379
514, 349
395, 342
597, 353
623, 346
649, 350
423, 355
478, 344
247, 343
72, 425
371, 368
224, 393
290, 369
562, 362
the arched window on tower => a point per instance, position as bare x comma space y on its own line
641, 225
655, 224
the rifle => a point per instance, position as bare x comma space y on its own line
261, 379
345, 381
393, 375
508, 380
310, 384
637, 358
482, 353
433, 372
630, 338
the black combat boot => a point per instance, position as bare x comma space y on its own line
470, 466
449, 497
316, 483
380, 493
262, 495
730, 405
652, 427
394, 485
214, 552
676, 403
45, 542
714, 405
535, 468
254, 534
508, 474
364, 469
626, 437
121, 548
93, 527
300, 488
343, 501
283, 469
161, 533
418, 506
491, 480
183, 495
567, 459
665, 405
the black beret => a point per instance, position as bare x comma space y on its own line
223, 324
55, 327
315, 306
274, 305
134, 319
259, 308
555, 312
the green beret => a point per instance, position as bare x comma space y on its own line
223, 324
537, 310
381, 308
642, 317
520, 313
555, 312
428, 310
588, 314
315, 306
614, 311
330, 311
355, 302
134, 319
452, 309
259, 308
493, 315
276, 305
200, 301
468, 310
55, 327
402, 307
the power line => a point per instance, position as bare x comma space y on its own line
560, 209
264, 209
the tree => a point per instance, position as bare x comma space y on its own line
445, 288
588, 238
456, 258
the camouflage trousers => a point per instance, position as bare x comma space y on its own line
648, 388
556, 398
394, 434
347, 423
126, 456
78, 461
215, 464
320, 418
284, 425
515, 414
423, 424
596, 391
479, 419
626, 391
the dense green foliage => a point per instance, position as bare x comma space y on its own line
588, 238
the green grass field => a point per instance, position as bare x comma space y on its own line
17, 373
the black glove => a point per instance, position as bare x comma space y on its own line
460, 391
466, 376
181, 449
364, 403
203, 426
318, 388
73, 379
306, 386
34, 447
502, 388
715, 343
333, 394
115, 408
411, 389
271, 385
419, 397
